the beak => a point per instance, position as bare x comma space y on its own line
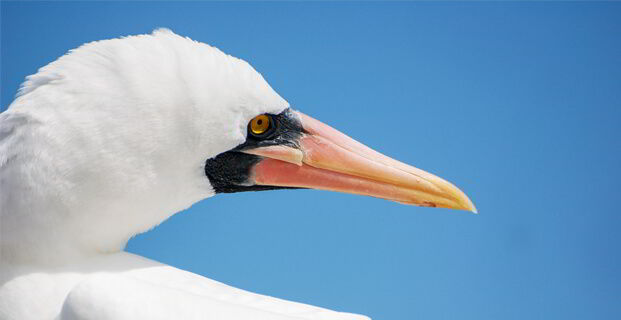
327, 159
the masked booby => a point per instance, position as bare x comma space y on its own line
117, 135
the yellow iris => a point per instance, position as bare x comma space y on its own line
260, 124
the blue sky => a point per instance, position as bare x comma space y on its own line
518, 104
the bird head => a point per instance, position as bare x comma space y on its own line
117, 135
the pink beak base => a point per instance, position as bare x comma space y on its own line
330, 160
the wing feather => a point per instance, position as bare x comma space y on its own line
156, 291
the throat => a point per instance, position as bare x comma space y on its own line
28, 241
63, 237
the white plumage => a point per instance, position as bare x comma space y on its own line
107, 142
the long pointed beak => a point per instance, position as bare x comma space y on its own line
329, 160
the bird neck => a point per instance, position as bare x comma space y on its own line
61, 206
58, 237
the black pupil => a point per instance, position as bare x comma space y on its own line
259, 122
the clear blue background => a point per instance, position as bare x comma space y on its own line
517, 104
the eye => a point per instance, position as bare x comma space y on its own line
260, 125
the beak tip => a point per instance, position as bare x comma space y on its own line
468, 205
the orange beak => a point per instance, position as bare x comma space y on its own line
329, 160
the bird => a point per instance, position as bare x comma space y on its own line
117, 135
